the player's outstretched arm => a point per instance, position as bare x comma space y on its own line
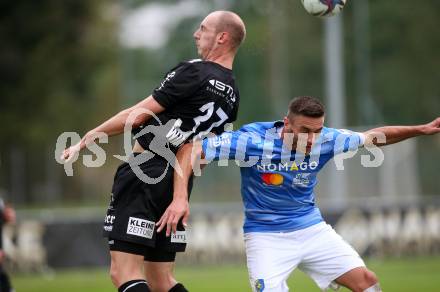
188, 156
115, 125
393, 134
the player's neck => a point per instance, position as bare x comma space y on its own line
225, 60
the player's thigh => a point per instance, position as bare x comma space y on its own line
327, 257
271, 258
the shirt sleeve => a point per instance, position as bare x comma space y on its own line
345, 140
234, 145
180, 83
234, 113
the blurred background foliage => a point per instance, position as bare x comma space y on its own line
63, 67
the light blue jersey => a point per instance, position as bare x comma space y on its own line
277, 184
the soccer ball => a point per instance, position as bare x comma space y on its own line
323, 7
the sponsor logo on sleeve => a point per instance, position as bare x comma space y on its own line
222, 140
168, 78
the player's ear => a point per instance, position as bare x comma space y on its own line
222, 37
286, 121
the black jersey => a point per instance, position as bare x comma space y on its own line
199, 97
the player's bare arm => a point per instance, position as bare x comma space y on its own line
116, 124
395, 134
188, 156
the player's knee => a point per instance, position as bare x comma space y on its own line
114, 276
123, 270
120, 275
368, 280
371, 282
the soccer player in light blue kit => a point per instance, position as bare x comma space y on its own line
279, 162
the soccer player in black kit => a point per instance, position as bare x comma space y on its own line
195, 98
7, 215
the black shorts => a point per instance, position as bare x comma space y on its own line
150, 254
136, 206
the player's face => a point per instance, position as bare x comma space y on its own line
206, 36
305, 130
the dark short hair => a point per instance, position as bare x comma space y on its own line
306, 106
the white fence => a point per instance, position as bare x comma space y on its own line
40, 241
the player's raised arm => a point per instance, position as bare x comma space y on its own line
116, 124
393, 134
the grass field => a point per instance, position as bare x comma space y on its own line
403, 275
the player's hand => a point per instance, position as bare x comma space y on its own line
179, 208
433, 127
70, 153
2, 256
